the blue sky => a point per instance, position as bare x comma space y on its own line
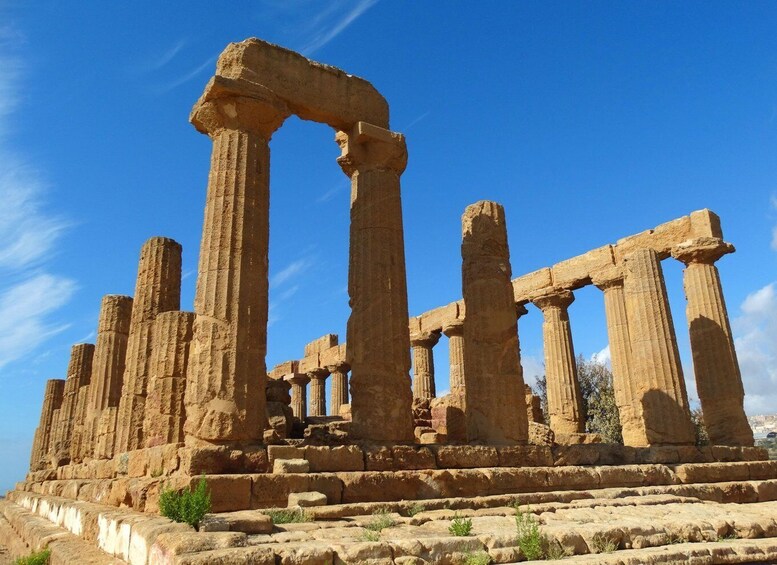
588, 121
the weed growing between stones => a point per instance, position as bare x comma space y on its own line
531, 541
602, 543
415, 509
460, 526
36, 558
187, 506
370, 535
479, 558
380, 521
288, 516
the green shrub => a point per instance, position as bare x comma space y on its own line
36, 558
479, 558
187, 506
416, 508
289, 516
460, 526
380, 521
370, 535
531, 541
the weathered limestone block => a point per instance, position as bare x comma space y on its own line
225, 390
306, 499
290, 466
299, 397
52, 401
279, 417
339, 391
281, 369
423, 363
165, 415
79, 371
318, 391
109, 362
378, 339
157, 289
494, 401
448, 417
656, 369
718, 379
565, 407
105, 434
278, 390
533, 406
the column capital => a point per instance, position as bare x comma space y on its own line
300, 379
454, 328
340, 367
704, 250
318, 373
610, 277
520, 309
369, 147
425, 339
555, 299
238, 105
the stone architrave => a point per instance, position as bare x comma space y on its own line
656, 367
565, 404
495, 406
225, 390
317, 406
339, 391
113, 327
299, 397
157, 289
423, 363
715, 365
79, 371
52, 401
378, 340
624, 382
165, 414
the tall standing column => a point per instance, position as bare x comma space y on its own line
718, 378
423, 364
79, 370
318, 391
113, 328
339, 386
655, 358
495, 405
623, 379
378, 340
225, 389
165, 414
52, 400
157, 289
565, 403
299, 396
454, 331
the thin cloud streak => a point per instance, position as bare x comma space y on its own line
186, 78
167, 56
325, 30
289, 272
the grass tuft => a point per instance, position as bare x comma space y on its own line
288, 516
460, 527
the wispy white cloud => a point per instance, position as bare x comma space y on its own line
415, 121
167, 56
602, 356
532, 369
325, 25
332, 192
292, 270
193, 73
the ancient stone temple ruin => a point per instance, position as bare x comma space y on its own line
165, 397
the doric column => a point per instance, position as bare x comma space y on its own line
79, 371
623, 379
423, 364
225, 390
52, 400
378, 340
718, 379
165, 414
565, 403
318, 391
113, 328
655, 358
157, 289
299, 396
339, 386
494, 406
454, 331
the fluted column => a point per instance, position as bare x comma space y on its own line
339, 386
378, 340
655, 358
79, 370
454, 331
495, 405
113, 328
565, 403
318, 391
423, 364
225, 390
718, 378
165, 413
52, 400
157, 289
623, 379
299, 396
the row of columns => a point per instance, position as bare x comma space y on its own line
315, 405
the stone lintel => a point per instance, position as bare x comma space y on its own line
530, 283
282, 369
576, 272
701, 250
321, 344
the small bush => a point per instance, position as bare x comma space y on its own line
555, 551
289, 516
460, 526
479, 558
380, 521
604, 544
187, 506
531, 541
36, 558
370, 535
416, 508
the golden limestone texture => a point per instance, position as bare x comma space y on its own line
423, 364
79, 371
52, 401
157, 289
495, 406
